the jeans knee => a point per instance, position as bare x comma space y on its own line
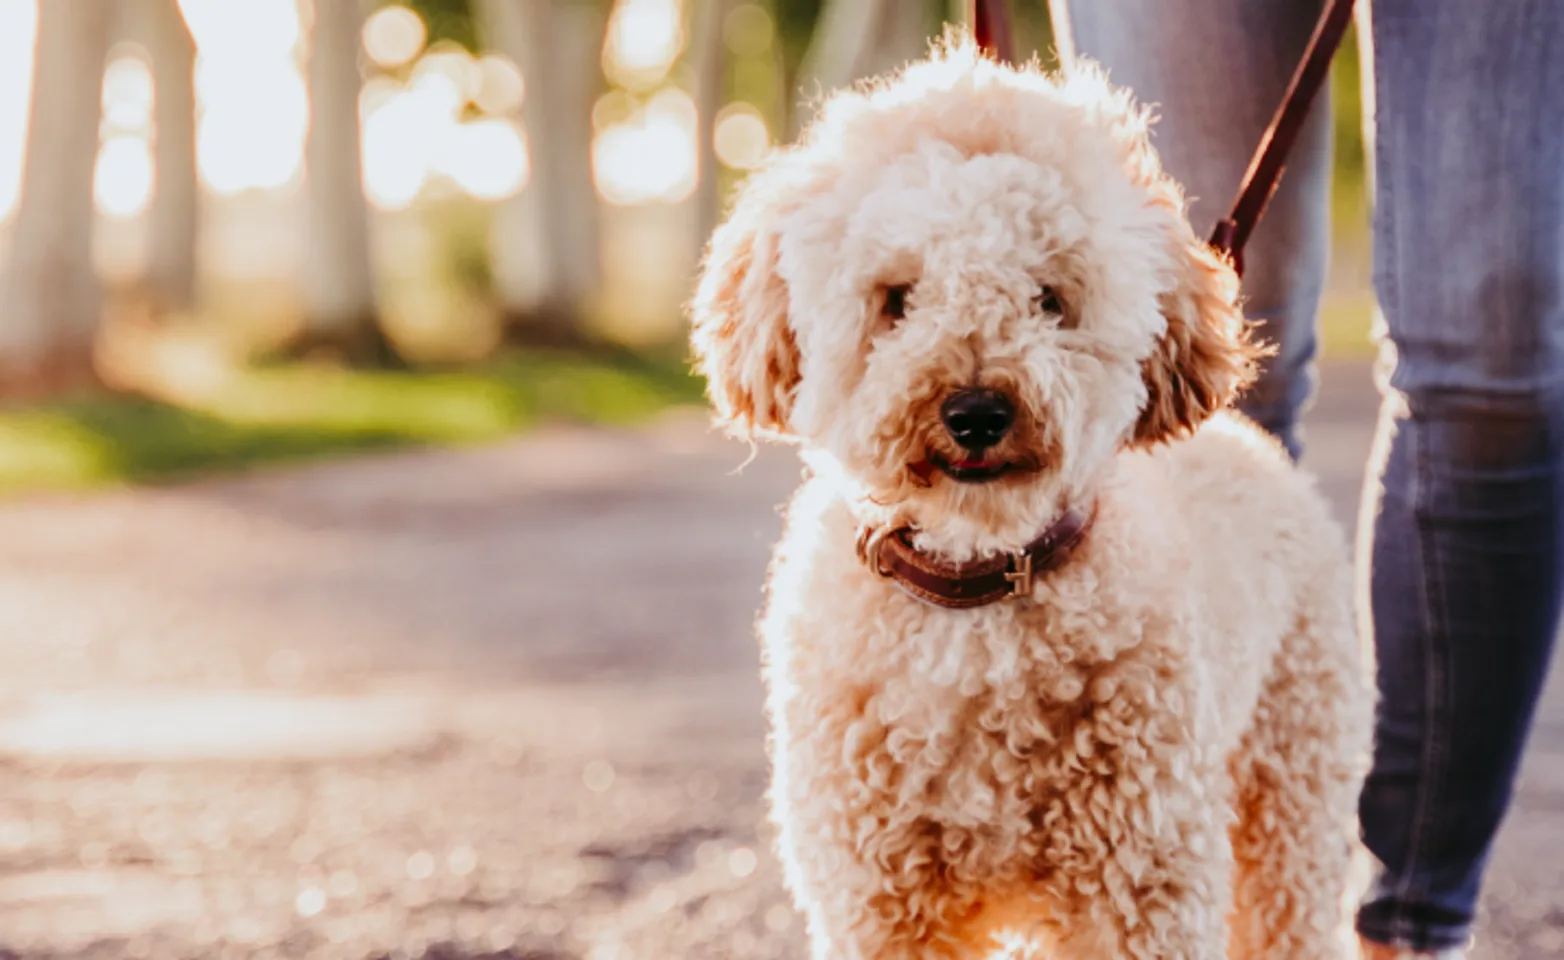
1493, 432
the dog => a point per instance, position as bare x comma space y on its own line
1059, 651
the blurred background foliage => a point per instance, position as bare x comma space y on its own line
238, 233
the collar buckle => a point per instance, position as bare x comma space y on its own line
1019, 576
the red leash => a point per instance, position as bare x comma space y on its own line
990, 21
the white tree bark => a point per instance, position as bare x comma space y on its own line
51, 303
519, 246
709, 66
545, 244
904, 32
338, 280
175, 214
855, 39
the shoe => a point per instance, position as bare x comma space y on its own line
1379, 951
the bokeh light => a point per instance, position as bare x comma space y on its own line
252, 30
741, 138
123, 176
122, 180
250, 93
613, 107
501, 88
127, 94
487, 159
454, 66
393, 36
644, 38
401, 139
254, 117
18, 23
748, 30
650, 157
253, 108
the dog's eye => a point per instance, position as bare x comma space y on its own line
895, 305
1048, 301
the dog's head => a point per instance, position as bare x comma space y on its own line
969, 287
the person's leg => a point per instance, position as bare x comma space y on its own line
1217, 70
1464, 572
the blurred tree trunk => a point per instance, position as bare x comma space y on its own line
51, 303
340, 314
855, 39
171, 267
545, 251
708, 62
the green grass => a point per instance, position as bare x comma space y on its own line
300, 412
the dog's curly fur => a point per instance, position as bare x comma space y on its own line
1156, 754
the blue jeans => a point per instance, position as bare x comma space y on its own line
1463, 513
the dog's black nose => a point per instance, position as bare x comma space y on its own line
977, 419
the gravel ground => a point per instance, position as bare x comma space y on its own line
487, 703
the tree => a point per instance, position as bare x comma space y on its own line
171, 268
340, 312
707, 62
545, 249
854, 39
50, 308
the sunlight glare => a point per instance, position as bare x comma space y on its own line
393, 36
251, 95
252, 31
644, 39
255, 117
18, 21
741, 138
649, 158
122, 182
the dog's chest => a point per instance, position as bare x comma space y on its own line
975, 736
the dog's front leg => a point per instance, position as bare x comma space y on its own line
1162, 895
870, 871
1135, 842
872, 886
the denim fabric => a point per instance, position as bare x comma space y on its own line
1463, 509
1215, 71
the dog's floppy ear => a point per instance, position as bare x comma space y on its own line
740, 332
1205, 356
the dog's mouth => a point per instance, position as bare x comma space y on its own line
971, 469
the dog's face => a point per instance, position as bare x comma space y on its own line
968, 289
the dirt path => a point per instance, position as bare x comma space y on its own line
499, 702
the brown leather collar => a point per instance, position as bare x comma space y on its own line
980, 582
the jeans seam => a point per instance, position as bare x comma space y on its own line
1433, 752
1400, 922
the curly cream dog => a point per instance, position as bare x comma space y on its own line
1156, 752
